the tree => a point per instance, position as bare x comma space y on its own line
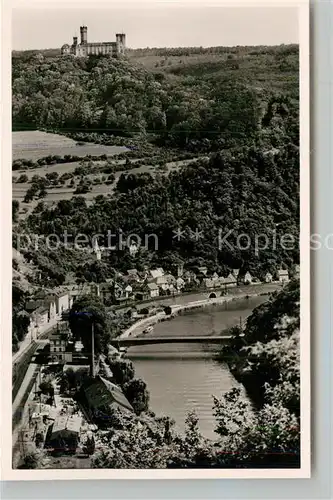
35, 459
52, 176
137, 394
31, 192
136, 444
88, 310
168, 310
15, 210
23, 179
42, 192
267, 438
122, 370
89, 445
193, 450
47, 388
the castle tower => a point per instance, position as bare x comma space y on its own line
74, 40
121, 43
84, 34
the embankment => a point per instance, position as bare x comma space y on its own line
143, 323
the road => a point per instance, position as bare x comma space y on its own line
27, 379
195, 300
27, 341
186, 298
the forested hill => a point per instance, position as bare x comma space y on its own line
214, 98
243, 116
245, 192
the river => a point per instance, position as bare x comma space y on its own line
183, 377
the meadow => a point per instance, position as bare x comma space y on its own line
35, 144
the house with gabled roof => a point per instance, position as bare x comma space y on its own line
157, 276
208, 283
153, 290
156, 273
268, 278
132, 275
230, 281
65, 433
247, 280
283, 276
190, 277
97, 398
180, 284
297, 270
235, 272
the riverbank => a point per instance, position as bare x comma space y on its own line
183, 377
139, 326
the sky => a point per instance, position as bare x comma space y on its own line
156, 25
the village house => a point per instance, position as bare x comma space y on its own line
247, 280
180, 284
62, 302
106, 292
268, 278
190, 277
133, 276
128, 291
153, 290
76, 291
43, 299
230, 281
122, 292
235, 272
143, 294
283, 276
297, 270
65, 432
58, 344
97, 396
41, 315
76, 358
133, 248
169, 286
202, 270
157, 276
208, 282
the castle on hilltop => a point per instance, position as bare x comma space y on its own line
84, 48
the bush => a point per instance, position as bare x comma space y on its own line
23, 179
83, 189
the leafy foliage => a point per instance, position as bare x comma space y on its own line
88, 310
267, 359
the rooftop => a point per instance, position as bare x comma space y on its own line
101, 392
66, 422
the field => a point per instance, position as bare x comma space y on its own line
35, 144
45, 144
262, 68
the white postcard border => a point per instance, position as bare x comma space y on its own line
10, 474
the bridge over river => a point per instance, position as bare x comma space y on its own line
135, 341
